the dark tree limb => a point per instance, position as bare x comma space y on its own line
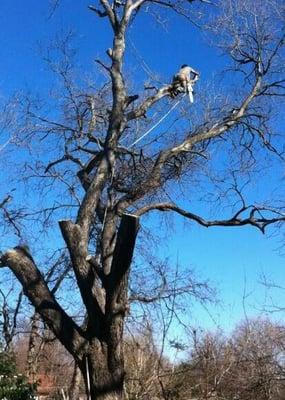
117, 289
141, 110
254, 218
123, 253
85, 275
66, 157
35, 288
92, 196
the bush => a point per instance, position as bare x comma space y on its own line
12, 385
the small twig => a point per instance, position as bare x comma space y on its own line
103, 65
100, 13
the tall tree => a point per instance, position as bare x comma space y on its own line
120, 182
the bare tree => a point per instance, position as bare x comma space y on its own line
111, 182
246, 365
9, 318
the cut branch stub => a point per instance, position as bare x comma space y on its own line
117, 282
117, 293
124, 245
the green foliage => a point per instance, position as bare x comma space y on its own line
12, 385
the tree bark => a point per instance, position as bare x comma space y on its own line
37, 291
103, 366
97, 350
32, 359
73, 393
100, 380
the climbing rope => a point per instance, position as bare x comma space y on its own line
158, 122
88, 378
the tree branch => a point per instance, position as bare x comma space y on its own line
116, 285
149, 102
92, 196
66, 157
35, 288
235, 221
110, 13
85, 276
100, 13
153, 179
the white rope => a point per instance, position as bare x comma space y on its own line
104, 219
5, 144
88, 378
158, 122
138, 56
63, 395
135, 142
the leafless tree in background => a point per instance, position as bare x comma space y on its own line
248, 364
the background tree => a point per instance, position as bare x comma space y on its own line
246, 364
109, 183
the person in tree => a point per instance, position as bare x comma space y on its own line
184, 80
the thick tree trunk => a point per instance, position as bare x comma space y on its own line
73, 393
102, 382
97, 347
103, 366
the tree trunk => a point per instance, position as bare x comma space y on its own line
32, 365
73, 393
98, 347
103, 366
102, 380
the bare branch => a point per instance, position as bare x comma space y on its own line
141, 110
98, 12
86, 278
109, 12
259, 222
66, 157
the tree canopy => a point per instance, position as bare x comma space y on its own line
89, 166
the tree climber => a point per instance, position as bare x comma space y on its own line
183, 81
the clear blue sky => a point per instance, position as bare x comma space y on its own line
227, 257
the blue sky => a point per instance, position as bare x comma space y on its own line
228, 257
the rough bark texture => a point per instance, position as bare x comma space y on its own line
31, 369
73, 393
97, 348
105, 355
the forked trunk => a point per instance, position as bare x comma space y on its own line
103, 365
